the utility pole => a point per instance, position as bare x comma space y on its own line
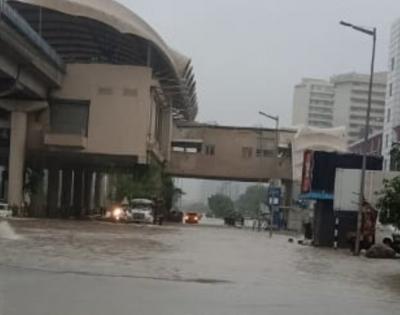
260, 181
372, 33
276, 155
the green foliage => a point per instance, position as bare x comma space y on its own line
221, 205
149, 182
389, 203
34, 181
248, 203
395, 158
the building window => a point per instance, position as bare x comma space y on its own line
393, 64
389, 113
390, 89
210, 149
247, 152
268, 153
69, 117
264, 153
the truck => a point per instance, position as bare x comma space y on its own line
346, 199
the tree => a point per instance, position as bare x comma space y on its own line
147, 182
248, 203
389, 203
395, 158
221, 205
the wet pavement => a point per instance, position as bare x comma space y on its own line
84, 268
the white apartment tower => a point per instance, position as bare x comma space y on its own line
351, 101
313, 103
391, 130
341, 101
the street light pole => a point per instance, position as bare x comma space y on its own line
366, 132
276, 119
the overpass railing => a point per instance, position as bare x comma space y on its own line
12, 17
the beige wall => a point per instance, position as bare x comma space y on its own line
228, 161
120, 106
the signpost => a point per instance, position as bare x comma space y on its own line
273, 201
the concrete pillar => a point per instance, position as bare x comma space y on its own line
112, 189
288, 192
66, 193
98, 191
87, 194
107, 191
78, 192
103, 191
16, 165
53, 192
4, 176
166, 133
38, 207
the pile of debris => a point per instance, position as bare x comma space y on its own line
381, 251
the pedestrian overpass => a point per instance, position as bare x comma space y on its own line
230, 153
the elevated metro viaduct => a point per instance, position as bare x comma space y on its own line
87, 86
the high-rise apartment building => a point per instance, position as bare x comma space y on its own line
313, 103
391, 132
341, 101
351, 101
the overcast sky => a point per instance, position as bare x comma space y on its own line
249, 54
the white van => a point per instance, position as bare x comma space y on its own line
5, 211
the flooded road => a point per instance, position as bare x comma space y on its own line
56, 267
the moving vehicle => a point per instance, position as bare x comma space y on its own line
117, 214
191, 218
141, 211
137, 211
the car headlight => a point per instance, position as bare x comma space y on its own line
117, 212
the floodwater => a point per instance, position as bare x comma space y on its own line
82, 268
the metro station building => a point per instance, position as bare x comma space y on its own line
85, 86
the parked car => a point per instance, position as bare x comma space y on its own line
175, 216
388, 234
5, 211
234, 219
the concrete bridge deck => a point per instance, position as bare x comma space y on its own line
230, 153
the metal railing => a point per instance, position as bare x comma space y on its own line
12, 17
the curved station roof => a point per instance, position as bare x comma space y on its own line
104, 31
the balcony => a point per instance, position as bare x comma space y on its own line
66, 140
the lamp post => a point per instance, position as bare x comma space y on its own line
276, 119
371, 32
